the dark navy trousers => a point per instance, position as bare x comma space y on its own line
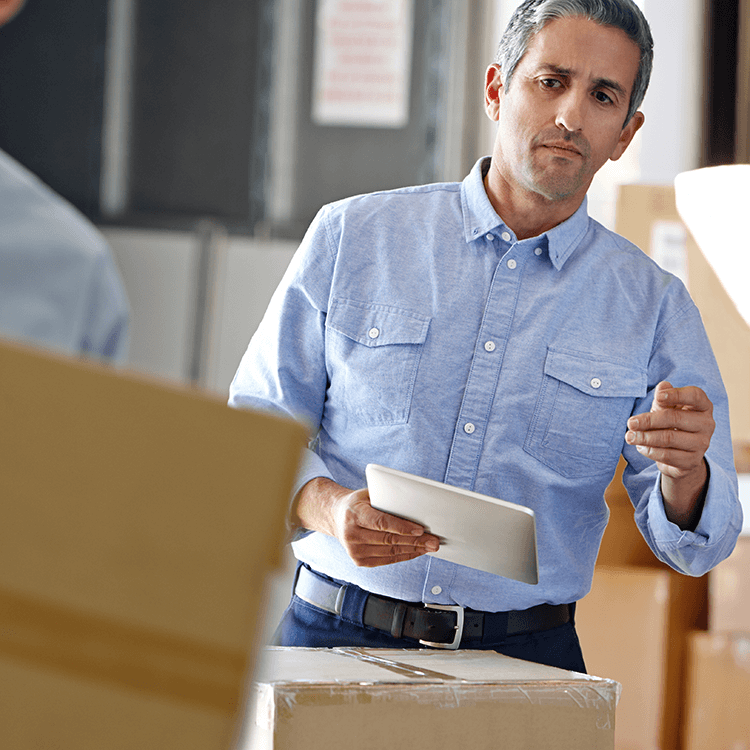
304, 624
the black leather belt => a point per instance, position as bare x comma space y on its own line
436, 625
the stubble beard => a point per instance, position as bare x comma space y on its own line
556, 182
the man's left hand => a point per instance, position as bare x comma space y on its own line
676, 434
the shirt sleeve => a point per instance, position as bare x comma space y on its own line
106, 312
683, 356
284, 367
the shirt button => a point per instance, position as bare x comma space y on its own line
490, 237
538, 251
373, 333
596, 383
469, 428
506, 236
490, 346
436, 590
512, 264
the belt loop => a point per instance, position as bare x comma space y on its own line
397, 624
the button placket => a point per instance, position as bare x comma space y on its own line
480, 390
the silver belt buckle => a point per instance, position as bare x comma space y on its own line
459, 625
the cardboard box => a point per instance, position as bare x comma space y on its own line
647, 215
371, 699
633, 628
729, 591
138, 523
718, 678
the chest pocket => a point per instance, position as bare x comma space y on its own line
373, 354
580, 417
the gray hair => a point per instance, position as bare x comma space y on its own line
532, 15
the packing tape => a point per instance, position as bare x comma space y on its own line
88, 646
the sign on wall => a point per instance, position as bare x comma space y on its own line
362, 64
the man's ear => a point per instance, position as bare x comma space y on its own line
493, 85
634, 125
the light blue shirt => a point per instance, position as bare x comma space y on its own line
413, 330
59, 286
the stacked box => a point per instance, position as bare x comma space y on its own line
634, 628
718, 708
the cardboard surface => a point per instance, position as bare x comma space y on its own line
633, 628
729, 592
639, 207
138, 524
336, 699
718, 679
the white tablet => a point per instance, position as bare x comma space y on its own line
476, 530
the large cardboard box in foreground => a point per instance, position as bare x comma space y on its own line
718, 681
633, 628
371, 699
138, 523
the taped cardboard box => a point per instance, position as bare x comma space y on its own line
341, 698
718, 679
138, 523
729, 592
633, 627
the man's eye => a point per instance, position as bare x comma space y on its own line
550, 83
603, 98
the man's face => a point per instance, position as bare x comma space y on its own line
561, 117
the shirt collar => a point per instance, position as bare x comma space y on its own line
480, 219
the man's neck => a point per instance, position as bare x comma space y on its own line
527, 214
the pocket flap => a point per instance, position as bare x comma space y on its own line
376, 325
595, 376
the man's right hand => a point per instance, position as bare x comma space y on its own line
369, 536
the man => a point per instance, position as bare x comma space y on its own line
490, 335
59, 285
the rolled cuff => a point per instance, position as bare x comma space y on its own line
696, 552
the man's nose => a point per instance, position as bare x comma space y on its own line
570, 112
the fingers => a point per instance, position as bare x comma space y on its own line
373, 538
677, 431
686, 398
370, 518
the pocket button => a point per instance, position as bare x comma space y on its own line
596, 383
373, 333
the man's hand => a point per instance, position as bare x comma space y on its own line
676, 434
369, 536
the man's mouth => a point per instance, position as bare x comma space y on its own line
562, 147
